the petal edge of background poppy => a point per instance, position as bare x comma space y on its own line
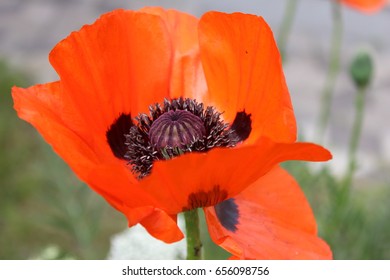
366, 6
275, 221
243, 72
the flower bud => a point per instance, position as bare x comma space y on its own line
361, 69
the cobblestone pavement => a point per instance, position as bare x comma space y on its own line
30, 28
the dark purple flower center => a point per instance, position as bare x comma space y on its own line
176, 129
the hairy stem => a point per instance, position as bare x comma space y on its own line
355, 137
194, 244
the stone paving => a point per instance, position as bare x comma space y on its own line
30, 28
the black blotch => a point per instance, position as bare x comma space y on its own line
116, 135
228, 214
242, 125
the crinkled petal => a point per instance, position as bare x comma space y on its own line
270, 220
244, 73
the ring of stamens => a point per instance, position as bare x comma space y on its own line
178, 126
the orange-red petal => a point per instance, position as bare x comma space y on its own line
187, 77
162, 226
118, 186
274, 221
367, 6
203, 179
40, 105
120, 64
243, 72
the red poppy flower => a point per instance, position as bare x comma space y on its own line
368, 6
183, 154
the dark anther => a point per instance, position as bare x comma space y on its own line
242, 126
228, 214
176, 129
115, 135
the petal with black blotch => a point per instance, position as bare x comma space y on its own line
273, 220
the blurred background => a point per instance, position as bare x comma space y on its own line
46, 213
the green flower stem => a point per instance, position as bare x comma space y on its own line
355, 137
285, 27
333, 70
194, 244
